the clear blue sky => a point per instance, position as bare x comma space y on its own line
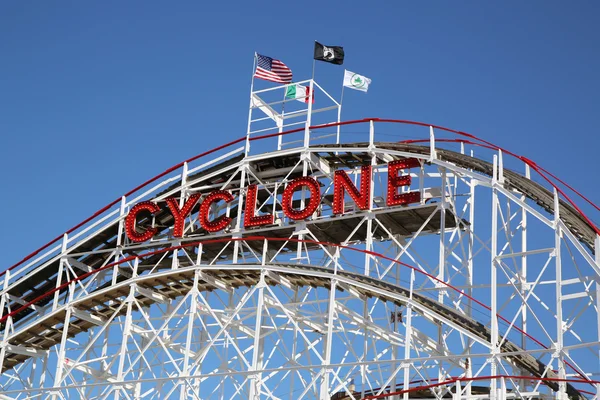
96, 97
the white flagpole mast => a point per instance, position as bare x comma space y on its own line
340, 110
342, 96
251, 102
313, 69
253, 69
280, 138
311, 93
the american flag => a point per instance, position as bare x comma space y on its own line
272, 70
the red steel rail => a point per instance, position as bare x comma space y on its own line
294, 240
483, 143
454, 380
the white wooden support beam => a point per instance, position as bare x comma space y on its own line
239, 325
388, 336
312, 325
320, 163
87, 316
79, 265
86, 369
216, 282
147, 335
25, 351
152, 295
574, 296
96, 373
350, 289
259, 103
385, 157
432, 152
20, 301
280, 279
500, 168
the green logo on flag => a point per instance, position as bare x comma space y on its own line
357, 81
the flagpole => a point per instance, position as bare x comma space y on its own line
247, 150
340, 112
313, 68
279, 137
253, 69
311, 92
283, 102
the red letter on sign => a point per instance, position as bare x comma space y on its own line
132, 233
342, 183
218, 223
249, 218
180, 215
395, 181
313, 201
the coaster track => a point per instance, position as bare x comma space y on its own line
24, 328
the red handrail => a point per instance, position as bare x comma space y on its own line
483, 143
334, 124
294, 240
479, 378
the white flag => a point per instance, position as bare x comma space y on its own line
356, 81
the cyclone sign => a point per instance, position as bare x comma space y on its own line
342, 185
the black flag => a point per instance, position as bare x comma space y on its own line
330, 54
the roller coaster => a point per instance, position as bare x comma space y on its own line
276, 266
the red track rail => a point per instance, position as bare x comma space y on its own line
483, 143
474, 141
262, 238
479, 378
